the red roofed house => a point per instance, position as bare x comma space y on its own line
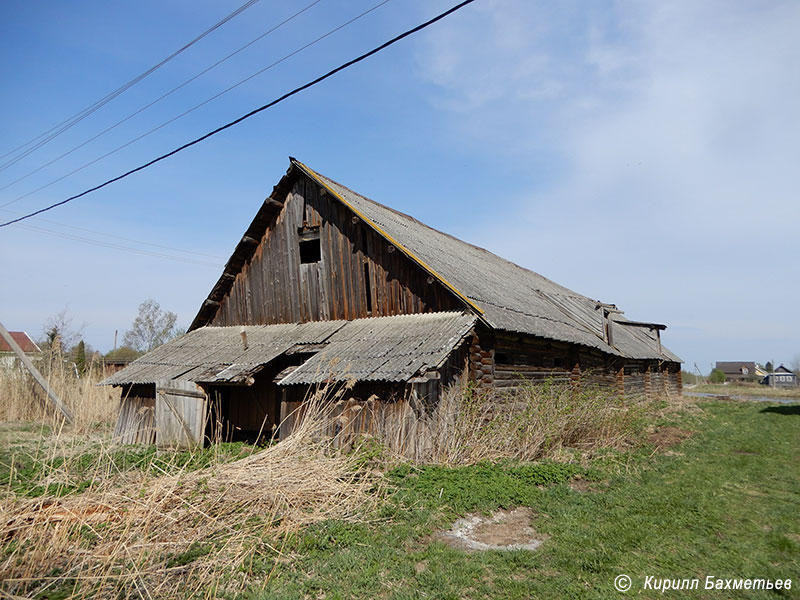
7, 356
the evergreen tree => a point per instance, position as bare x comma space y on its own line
80, 357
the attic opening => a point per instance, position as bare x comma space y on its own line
310, 251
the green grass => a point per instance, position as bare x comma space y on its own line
725, 502
746, 389
34, 469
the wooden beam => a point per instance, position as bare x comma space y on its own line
656, 326
36, 375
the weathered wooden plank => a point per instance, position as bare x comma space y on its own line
41, 381
179, 414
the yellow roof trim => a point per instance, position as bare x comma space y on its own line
393, 241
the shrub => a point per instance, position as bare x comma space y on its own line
717, 376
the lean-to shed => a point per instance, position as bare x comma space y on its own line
328, 285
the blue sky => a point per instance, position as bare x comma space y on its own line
640, 153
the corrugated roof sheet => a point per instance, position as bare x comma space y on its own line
511, 297
383, 348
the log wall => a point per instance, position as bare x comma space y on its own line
506, 362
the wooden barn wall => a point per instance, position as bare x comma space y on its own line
506, 362
357, 276
425, 392
359, 410
244, 413
136, 421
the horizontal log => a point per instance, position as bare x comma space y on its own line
529, 369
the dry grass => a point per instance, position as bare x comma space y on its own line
166, 531
22, 400
534, 422
183, 534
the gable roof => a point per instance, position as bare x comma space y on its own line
23, 340
392, 349
732, 367
506, 296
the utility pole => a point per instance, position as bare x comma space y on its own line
36, 375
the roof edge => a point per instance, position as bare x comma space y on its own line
313, 175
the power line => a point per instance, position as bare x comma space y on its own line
116, 236
252, 113
80, 116
160, 98
86, 240
194, 108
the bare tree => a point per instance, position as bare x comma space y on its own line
796, 364
58, 333
151, 328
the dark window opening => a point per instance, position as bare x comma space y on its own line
367, 284
501, 358
558, 362
310, 251
368, 287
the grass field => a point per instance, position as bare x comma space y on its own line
705, 489
724, 502
751, 389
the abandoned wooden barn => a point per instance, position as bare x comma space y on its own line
327, 285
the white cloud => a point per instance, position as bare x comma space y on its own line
673, 129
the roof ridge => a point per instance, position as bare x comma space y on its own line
451, 236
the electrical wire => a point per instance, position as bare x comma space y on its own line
195, 107
86, 240
57, 130
116, 236
252, 113
163, 96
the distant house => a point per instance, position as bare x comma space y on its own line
781, 377
112, 365
8, 359
738, 371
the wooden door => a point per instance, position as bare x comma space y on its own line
180, 414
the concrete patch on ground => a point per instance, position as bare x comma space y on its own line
503, 530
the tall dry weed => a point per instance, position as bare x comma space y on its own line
92, 406
182, 534
532, 422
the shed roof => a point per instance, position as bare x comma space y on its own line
392, 349
23, 340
